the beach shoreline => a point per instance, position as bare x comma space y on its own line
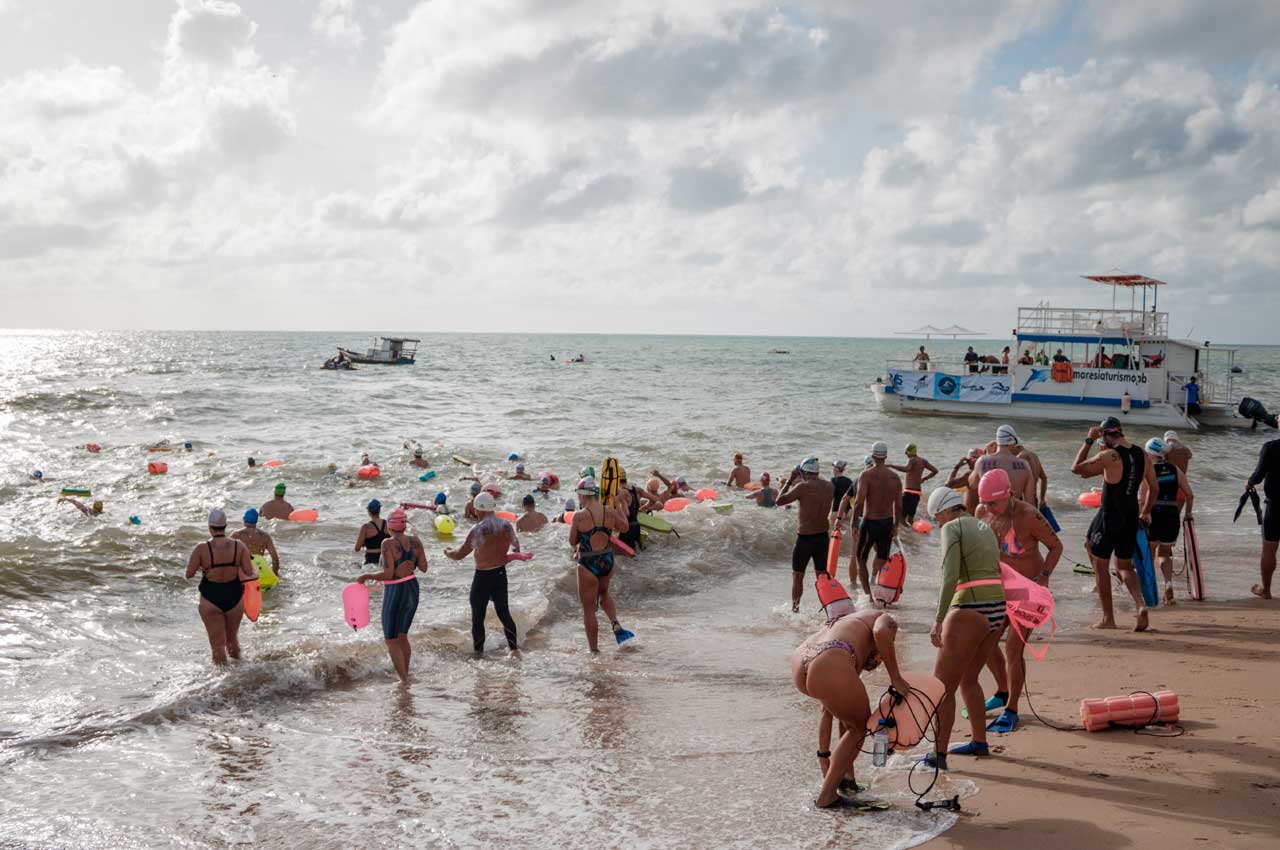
1217, 785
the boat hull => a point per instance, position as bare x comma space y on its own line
363, 358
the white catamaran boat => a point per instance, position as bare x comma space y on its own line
1112, 361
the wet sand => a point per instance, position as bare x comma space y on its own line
1218, 785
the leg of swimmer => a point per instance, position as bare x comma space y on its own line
589, 596
479, 599
398, 661
962, 632
797, 589
503, 608
233, 619
1267, 568
971, 688
1129, 578
1016, 662
1102, 576
606, 598
216, 626
995, 663
841, 761
406, 649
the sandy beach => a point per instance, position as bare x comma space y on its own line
1218, 785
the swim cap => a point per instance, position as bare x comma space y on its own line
1111, 425
680, 482
546, 479
280, 488
417, 453
737, 457
476, 488
492, 488
840, 465
333, 467
441, 498
528, 500
38, 475
587, 487
944, 499
519, 467
810, 465
975, 452
1156, 446
570, 505
252, 462
910, 450
97, 506
588, 472
375, 507
251, 516
764, 478
217, 519
1171, 436
879, 449
398, 520
485, 504
994, 486
187, 445
868, 460
513, 456
652, 485
1006, 436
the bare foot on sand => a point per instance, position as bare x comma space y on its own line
1142, 620
1105, 624
1257, 591
1168, 596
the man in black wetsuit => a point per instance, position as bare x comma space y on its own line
1124, 468
1267, 473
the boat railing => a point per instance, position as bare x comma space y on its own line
1078, 322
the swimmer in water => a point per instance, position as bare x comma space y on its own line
654, 493
589, 534
419, 461
258, 541
741, 474
402, 554
491, 539
915, 477
277, 508
630, 502
373, 533
88, 510
814, 495
520, 474
531, 519
767, 495
469, 511
842, 485
569, 507
224, 566
675, 487
1021, 530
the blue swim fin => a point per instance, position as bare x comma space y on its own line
1051, 519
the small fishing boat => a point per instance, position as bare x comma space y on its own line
387, 351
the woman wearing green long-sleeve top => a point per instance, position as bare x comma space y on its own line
971, 615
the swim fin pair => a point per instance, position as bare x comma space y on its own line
621, 634
1249, 494
841, 802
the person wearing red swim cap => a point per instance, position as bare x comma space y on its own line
741, 474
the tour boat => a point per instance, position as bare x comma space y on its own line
387, 351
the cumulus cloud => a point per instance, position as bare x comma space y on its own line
335, 21
213, 31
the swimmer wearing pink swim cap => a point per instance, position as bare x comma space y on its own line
402, 556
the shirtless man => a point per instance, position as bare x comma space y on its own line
1124, 469
879, 504
520, 474
914, 470
259, 542
653, 492
741, 474
921, 358
531, 519
419, 461
843, 512
491, 539
960, 473
814, 496
675, 487
1020, 530
1018, 469
1176, 453
88, 510
277, 508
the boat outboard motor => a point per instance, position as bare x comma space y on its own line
1251, 408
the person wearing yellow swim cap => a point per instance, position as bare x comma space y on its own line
914, 470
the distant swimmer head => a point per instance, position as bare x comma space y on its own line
280, 488
943, 500
187, 445
513, 456
476, 488
652, 485
868, 461
251, 516
975, 453
252, 462
879, 450
809, 465
910, 450
1111, 428
528, 501
764, 478
839, 465
397, 520
374, 507
1171, 436
38, 475
217, 519
493, 488
97, 506
737, 457
587, 472
441, 498
1006, 436
485, 503
519, 467
681, 482
1157, 446
333, 467
417, 454
570, 505
994, 486
587, 487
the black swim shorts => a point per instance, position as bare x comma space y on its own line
810, 547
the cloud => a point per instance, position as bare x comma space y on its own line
1264, 210
704, 188
335, 22
213, 31
33, 240
78, 90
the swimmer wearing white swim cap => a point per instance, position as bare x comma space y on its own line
814, 496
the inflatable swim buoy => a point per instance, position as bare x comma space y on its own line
622, 547
252, 599
355, 605
887, 587
1028, 605
304, 515
923, 526
93, 447
267, 577
833, 597
1091, 499
907, 720
833, 555
1132, 710
673, 505
706, 493
76, 491
507, 515
428, 475
368, 473
274, 463
445, 525
157, 468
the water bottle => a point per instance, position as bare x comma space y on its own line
880, 746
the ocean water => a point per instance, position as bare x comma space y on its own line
115, 731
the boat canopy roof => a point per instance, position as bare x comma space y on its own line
929, 331
399, 339
1124, 280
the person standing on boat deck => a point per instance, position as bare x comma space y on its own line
491, 539
224, 566
1123, 467
1267, 473
971, 359
741, 474
812, 538
1060, 357
879, 503
1004, 359
1175, 452
1166, 519
914, 471
1026, 359
1193, 396
402, 554
921, 358
277, 508
372, 534
258, 541
1018, 469
842, 486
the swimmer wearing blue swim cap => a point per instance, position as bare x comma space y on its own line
258, 542
372, 533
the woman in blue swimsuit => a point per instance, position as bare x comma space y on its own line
591, 534
401, 554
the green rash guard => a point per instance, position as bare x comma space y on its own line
969, 553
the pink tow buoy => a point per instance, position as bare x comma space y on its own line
675, 505
706, 493
922, 525
355, 605
304, 515
1091, 499
507, 515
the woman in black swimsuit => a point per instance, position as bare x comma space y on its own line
589, 533
372, 533
224, 563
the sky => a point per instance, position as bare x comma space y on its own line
827, 168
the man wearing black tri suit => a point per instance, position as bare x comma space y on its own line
1267, 473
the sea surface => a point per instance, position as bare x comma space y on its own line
116, 731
